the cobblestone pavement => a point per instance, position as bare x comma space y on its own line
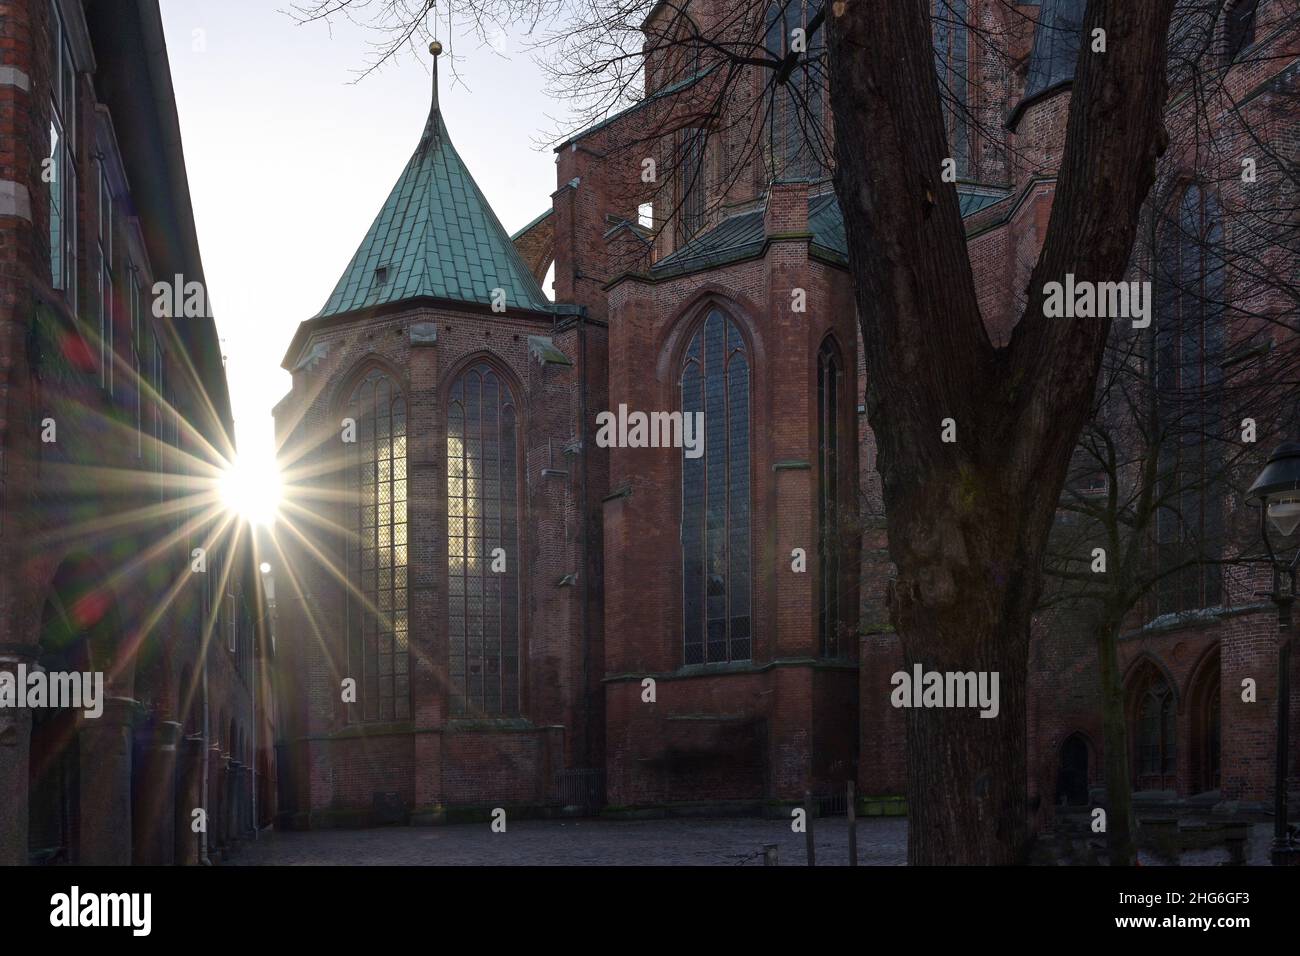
690, 842
705, 842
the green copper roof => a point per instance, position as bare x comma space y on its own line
741, 235
435, 236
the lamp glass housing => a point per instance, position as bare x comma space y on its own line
1284, 512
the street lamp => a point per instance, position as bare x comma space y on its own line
1277, 493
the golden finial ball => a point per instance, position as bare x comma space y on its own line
435, 48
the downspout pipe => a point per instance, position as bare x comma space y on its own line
203, 833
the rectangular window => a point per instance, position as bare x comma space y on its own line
62, 173
137, 353
690, 164
104, 258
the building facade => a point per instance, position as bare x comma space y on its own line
500, 609
115, 560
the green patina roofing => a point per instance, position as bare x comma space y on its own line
741, 235
435, 236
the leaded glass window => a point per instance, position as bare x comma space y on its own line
715, 530
952, 62
690, 164
1155, 749
796, 113
482, 517
1189, 347
830, 386
378, 628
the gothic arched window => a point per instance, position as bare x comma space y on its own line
830, 387
690, 163
1189, 343
952, 62
377, 612
796, 116
1239, 27
1207, 728
715, 497
483, 544
1154, 734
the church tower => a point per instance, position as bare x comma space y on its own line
438, 657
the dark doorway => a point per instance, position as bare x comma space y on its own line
54, 760
1072, 777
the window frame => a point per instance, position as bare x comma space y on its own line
830, 465
710, 483
1183, 289
63, 225
782, 128
464, 700
365, 655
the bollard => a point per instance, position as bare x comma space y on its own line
853, 828
770, 857
809, 815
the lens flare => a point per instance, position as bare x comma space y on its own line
250, 488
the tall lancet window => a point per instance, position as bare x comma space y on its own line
796, 120
952, 62
715, 497
830, 386
377, 612
1191, 275
483, 544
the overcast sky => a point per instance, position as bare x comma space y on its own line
290, 158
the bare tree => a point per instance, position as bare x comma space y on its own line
1185, 412
968, 522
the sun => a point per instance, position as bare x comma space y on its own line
250, 488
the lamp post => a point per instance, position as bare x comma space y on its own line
1277, 493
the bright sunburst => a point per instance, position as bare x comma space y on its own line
250, 487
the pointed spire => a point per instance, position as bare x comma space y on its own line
432, 128
436, 49
435, 237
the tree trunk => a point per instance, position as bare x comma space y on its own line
968, 520
1119, 787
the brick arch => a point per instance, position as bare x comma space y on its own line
1062, 780
503, 368
1140, 673
1167, 195
1204, 688
1134, 671
535, 244
677, 332
346, 383
459, 701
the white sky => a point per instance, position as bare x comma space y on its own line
289, 160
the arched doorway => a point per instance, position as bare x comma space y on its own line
1072, 773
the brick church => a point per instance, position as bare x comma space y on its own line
489, 608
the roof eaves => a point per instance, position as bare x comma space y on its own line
658, 94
